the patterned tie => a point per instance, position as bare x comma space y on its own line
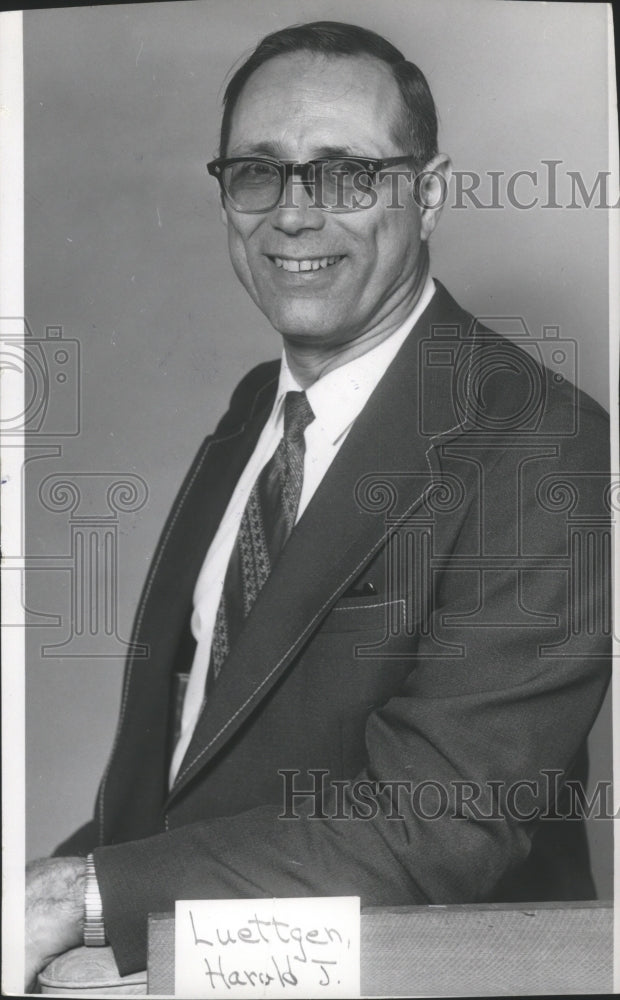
266, 524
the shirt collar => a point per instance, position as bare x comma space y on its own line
338, 397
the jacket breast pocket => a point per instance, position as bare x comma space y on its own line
363, 614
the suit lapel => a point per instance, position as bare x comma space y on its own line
337, 535
196, 516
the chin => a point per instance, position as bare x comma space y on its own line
293, 326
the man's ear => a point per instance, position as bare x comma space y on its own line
431, 192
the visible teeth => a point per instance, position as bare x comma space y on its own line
311, 264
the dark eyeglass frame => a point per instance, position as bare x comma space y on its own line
287, 168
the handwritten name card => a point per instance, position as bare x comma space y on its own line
246, 948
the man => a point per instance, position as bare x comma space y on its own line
372, 573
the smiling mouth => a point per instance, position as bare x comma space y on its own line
306, 264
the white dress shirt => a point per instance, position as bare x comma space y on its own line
336, 398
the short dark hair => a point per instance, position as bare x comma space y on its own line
417, 128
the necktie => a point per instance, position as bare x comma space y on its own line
266, 524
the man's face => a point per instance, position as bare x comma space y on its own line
300, 107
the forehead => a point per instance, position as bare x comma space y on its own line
303, 101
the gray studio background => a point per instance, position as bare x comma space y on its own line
126, 252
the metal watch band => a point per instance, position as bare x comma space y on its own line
94, 929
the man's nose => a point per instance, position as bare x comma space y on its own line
299, 208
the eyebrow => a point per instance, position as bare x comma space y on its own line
275, 151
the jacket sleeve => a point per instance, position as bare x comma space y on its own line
488, 726
83, 840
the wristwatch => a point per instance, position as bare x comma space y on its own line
94, 929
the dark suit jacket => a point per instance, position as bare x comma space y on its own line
480, 661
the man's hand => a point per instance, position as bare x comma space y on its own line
54, 911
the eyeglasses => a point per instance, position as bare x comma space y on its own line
255, 184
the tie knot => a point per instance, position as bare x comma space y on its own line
297, 415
